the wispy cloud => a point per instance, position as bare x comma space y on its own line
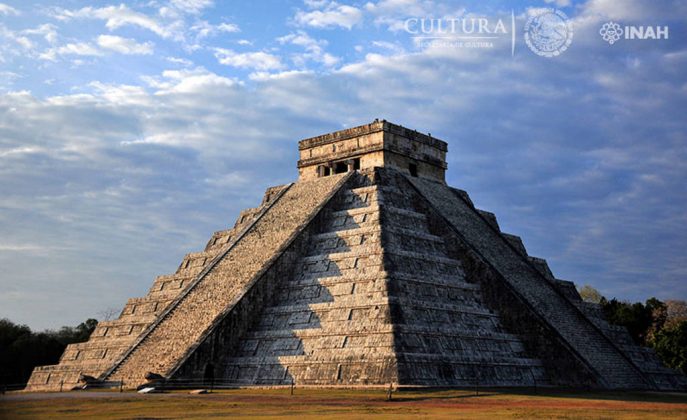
83, 49
47, 30
124, 45
8, 10
203, 29
257, 60
329, 15
192, 6
116, 17
314, 49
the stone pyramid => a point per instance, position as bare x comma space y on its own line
367, 270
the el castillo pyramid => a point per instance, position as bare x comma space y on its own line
367, 270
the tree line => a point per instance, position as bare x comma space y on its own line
22, 349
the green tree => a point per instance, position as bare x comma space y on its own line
636, 317
671, 346
21, 349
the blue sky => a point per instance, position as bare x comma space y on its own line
130, 131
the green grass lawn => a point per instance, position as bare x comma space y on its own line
338, 403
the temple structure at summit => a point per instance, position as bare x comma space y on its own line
367, 270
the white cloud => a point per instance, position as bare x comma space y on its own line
316, 4
407, 8
121, 95
284, 75
16, 38
17, 151
314, 49
392, 47
83, 49
333, 15
560, 3
203, 29
124, 45
7, 79
178, 60
251, 60
46, 30
188, 81
393, 13
195, 81
191, 6
8, 10
116, 17
228, 27
635, 10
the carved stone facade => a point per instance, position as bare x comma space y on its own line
379, 144
368, 270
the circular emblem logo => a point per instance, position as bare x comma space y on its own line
548, 32
611, 32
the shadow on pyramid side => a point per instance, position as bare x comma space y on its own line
368, 270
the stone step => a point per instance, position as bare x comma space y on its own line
219, 239
348, 277
375, 301
348, 330
358, 197
413, 233
342, 355
345, 242
371, 229
456, 282
356, 252
414, 303
172, 282
335, 330
398, 213
356, 211
149, 304
327, 293
346, 222
341, 303
329, 265
434, 257
195, 260
468, 359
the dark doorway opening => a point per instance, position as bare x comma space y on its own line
340, 167
412, 168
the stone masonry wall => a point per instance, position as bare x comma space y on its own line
611, 367
179, 329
